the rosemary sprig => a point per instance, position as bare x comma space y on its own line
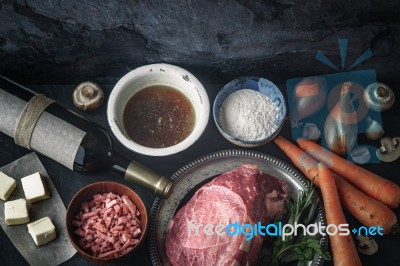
301, 209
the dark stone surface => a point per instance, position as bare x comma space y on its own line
67, 42
64, 41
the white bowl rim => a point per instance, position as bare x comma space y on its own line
200, 125
231, 137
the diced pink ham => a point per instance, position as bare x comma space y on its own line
117, 228
99, 198
95, 249
117, 208
137, 232
89, 215
111, 195
121, 220
111, 203
80, 232
124, 208
108, 225
129, 203
117, 245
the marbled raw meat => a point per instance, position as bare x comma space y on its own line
243, 195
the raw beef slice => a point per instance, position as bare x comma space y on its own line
243, 195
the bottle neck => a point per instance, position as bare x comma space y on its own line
141, 175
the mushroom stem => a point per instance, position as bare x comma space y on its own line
390, 149
88, 91
381, 92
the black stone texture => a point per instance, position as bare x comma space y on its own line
64, 41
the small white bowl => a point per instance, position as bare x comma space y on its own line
151, 75
261, 85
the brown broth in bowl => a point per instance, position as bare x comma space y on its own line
158, 117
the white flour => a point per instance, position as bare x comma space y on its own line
248, 115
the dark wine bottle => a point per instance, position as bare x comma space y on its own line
95, 150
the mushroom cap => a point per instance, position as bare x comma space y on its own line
374, 130
88, 96
378, 96
366, 245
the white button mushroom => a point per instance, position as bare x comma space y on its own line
378, 96
366, 245
390, 149
360, 155
374, 129
88, 96
311, 131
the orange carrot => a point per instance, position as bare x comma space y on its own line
343, 248
365, 209
375, 186
304, 162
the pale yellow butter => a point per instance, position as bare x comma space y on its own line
7, 186
42, 231
35, 187
16, 212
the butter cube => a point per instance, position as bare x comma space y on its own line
16, 212
7, 186
42, 231
35, 188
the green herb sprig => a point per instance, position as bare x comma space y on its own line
301, 209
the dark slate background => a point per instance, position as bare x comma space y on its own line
51, 46
64, 41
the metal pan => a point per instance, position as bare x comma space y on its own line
193, 175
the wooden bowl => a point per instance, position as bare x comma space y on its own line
86, 193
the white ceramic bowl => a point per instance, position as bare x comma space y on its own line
261, 85
151, 75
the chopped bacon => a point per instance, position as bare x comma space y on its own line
80, 232
125, 237
99, 228
118, 228
108, 225
99, 198
117, 208
124, 208
88, 238
95, 248
88, 215
111, 195
108, 221
121, 220
137, 232
117, 245
129, 203
111, 203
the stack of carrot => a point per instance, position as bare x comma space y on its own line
367, 196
